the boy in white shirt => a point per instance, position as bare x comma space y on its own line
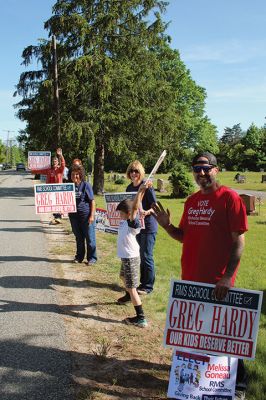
128, 251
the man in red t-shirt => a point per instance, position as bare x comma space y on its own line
211, 229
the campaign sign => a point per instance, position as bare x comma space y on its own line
102, 223
55, 197
202, 377
39, 159
197, 321
112, 200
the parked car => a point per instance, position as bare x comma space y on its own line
7, 166
20, 167
1, 167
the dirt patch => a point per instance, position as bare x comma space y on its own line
110, 359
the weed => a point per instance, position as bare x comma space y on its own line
103, 348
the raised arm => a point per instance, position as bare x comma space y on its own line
60, 156
138, 199
43, 171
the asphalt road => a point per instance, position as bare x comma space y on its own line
35, 363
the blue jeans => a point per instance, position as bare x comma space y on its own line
146, 243
84, 232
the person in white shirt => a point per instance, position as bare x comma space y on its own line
128, 251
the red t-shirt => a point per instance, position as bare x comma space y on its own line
208, 221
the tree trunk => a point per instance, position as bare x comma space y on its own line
98, 176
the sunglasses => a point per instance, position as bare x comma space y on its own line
134, 170
205, 168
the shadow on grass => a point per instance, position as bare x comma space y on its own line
45, 373
125, 379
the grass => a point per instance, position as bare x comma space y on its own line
253, 181
251, 274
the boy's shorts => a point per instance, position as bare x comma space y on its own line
130, 271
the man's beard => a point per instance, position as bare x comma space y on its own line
206, 181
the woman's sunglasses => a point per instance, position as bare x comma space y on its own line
134, 170
205, 168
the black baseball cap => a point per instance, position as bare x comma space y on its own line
206, 154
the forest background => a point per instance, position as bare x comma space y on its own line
123, 94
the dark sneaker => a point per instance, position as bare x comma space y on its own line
136, 321
240, 395
124, 299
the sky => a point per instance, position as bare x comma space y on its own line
222, 43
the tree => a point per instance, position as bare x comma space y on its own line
181, 181
230, 148
254, 152
124, 93
2, 151
110, 39
206, 137
232, 135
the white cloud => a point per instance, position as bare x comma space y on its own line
254, 93
230, 52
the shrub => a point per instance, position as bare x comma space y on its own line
120, 181
181, 181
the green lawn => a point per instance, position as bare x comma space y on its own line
251, 274
253, 181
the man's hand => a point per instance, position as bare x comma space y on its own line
222, 287
162, 216
91, 219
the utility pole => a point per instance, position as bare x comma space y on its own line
56, 93
8, 144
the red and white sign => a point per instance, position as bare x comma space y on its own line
55, 197
112, 200
102, 223
39, 159
197, 321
